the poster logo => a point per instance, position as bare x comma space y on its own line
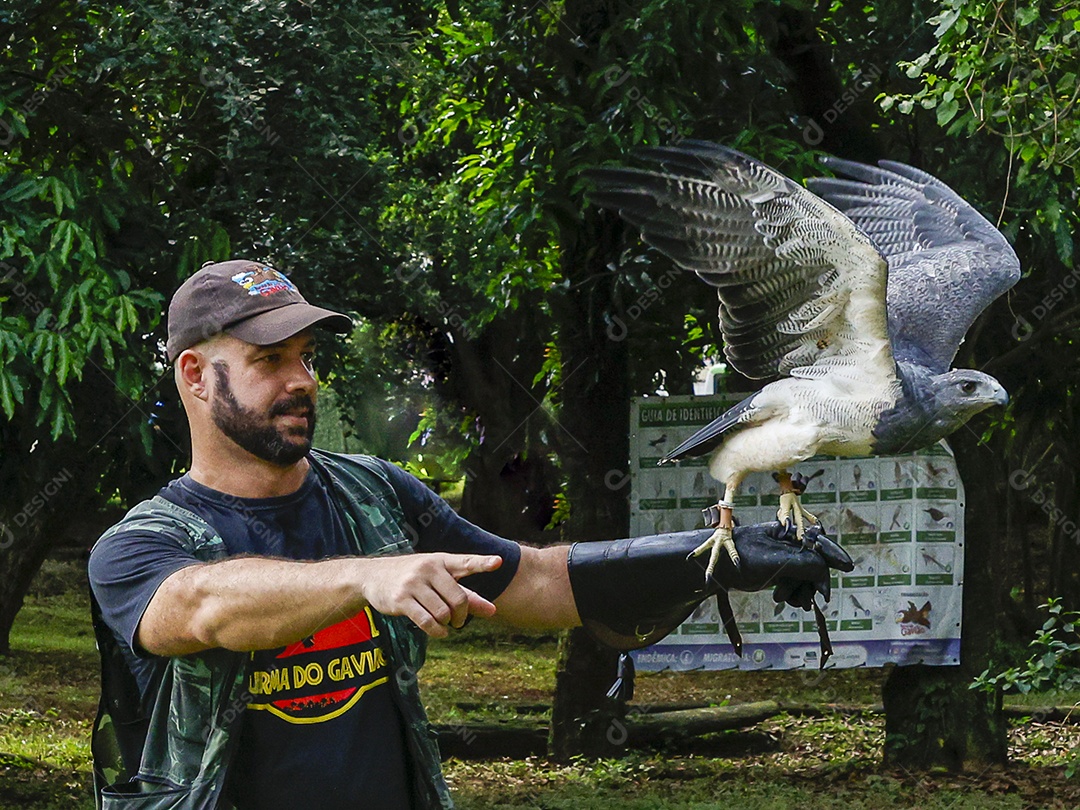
914, 621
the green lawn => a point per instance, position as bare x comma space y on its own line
48, 694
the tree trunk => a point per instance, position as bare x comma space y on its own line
593, 435
21, 555
596, 416
594, 422
38, 510
510, 483
583, 719
932, 718
837, 117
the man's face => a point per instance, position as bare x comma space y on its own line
264, 397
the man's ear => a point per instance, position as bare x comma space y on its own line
192, 373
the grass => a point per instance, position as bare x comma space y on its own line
48, 697
698, 784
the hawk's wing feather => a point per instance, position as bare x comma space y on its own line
798, 283
946, 262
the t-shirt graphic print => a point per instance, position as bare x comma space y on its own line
323, 676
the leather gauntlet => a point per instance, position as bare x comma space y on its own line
631, 593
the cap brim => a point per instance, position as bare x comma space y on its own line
284, 322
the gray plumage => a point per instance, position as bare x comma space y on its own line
857, 296
946, 262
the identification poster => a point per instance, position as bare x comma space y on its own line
899, 517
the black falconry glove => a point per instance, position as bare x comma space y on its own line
631, 593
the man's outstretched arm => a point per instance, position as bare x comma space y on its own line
253, 603
539, 597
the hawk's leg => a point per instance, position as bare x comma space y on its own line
791, 510
724, 522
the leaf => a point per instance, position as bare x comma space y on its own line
1026, 16
67, 229
23, 191
7, 399
63, 365
946, 110
58, 420
1063, 241
147, 437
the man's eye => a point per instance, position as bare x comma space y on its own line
269, 358
309, 358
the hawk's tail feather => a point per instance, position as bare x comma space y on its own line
707, 438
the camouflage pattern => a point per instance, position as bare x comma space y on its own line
193, 726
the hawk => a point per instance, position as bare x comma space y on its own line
856, 293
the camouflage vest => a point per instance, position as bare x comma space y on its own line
187, 739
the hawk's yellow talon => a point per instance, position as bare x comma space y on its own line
719, 539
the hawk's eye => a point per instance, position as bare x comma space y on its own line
968, 387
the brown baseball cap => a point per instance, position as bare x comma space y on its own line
248, 300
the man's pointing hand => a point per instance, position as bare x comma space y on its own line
425, 588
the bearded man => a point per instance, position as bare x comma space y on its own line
262, 619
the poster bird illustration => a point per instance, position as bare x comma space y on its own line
853, 295
934, 471
851, 523
935, 514
930, 558
855, 603
914, 615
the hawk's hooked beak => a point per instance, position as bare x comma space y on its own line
1001, 396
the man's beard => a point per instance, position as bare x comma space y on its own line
257, 434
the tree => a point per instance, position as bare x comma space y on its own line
77, 365
125, 168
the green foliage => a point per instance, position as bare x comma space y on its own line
1009, 71
1053, 663
1052, 666
1006, 68
997, 88
65, 304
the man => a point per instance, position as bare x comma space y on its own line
262, 619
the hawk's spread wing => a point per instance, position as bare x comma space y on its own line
802, 290
946, 262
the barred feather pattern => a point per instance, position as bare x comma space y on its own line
798, 283
795, 419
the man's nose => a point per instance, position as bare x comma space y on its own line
301, 377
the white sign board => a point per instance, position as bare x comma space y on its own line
899, 517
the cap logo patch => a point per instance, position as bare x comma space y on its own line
263, 280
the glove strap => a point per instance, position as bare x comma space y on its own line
822, 634
622, 690
727, 619
711, 516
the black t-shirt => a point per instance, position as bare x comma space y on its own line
322, 729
